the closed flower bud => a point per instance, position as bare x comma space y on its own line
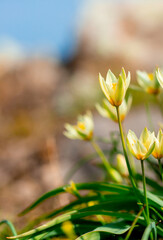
121, 165
115, 175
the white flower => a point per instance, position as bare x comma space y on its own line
149, 82
83, 130
141, 148
115, 88
109, 111
158, 150
159, 75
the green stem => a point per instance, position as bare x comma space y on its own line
161, 170
127, 162
158, 214
103, 158
145, 196
124, 150
145, 191
132, 163
11, 226
134, 223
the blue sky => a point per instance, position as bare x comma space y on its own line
41, 24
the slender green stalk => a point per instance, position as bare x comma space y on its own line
103, 158
161, 170
158, 214
11, 226
124, 150
132, 163
127, 161
134, 223
145, 196
145, 191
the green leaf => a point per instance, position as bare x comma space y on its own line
96, 186
119, 227
153, 200
110, 200
152, 183
76, 215
90, 236
148, 230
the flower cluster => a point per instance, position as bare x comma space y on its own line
115, 103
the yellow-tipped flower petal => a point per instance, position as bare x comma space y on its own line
159, 75
141, 148
83, 130
158, 150
108, 111
149, 82
115, 88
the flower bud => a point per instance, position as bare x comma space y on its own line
121, 165
115, 175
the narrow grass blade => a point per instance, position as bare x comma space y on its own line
96, 186
148, 230
11, 226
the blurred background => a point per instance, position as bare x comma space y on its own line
50, 55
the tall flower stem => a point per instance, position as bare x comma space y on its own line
161, 170
133, 168
145, 191
103, 158
124, 150
127, 161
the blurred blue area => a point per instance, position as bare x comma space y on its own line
41, 25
